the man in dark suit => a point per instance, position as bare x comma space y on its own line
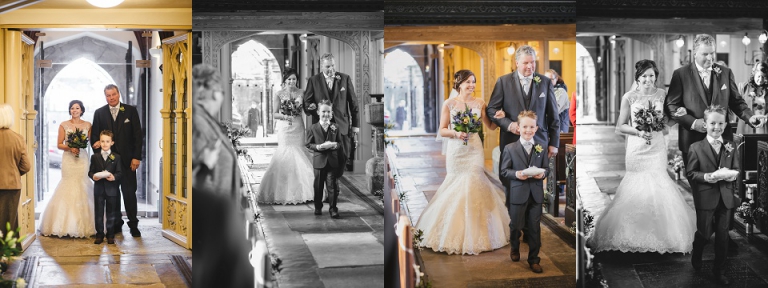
338, 89
105, 190
698, 85
713, 197
254, 118
123, 121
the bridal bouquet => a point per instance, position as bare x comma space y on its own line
467, 122
649, 119
291, 108
77, 139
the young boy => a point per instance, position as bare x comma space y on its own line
713, 195
323, 138
525, 193
105, 189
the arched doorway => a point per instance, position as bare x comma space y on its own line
81, 80
585, 86
404, 86
256, 75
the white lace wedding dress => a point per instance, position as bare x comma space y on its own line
70, 209
648, 213
289, 176
467, 215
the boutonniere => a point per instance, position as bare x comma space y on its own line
538, 149
338, 77
716, 69
536, 79
111, 157
333, 127
122, 109
728, 147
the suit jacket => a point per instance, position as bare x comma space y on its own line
109, 188
224, 177
701, 160
514, 159
253, 118
345, 109
13, 159
332, 157
507, 96
126, 128
687, 90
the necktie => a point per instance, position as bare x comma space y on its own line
114, 112
704, 74
329, 82
716, 145
105, 154
527, 145
526, 83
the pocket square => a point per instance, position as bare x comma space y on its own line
342, 89
723, 88
127, 120
542, 95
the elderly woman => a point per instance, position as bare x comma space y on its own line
753, 92
221, 246
13, 164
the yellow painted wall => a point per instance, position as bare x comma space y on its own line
569, 66
460, 58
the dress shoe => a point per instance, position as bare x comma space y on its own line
110, 240
536, 268
721, 279
335, 214
514, 255
318, 212
135, 232
696, 259
98, 240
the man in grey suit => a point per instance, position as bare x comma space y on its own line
521, 90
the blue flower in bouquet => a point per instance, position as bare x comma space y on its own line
467, 122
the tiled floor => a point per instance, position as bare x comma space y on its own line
77, 262
600, 157
318, 251
421, 170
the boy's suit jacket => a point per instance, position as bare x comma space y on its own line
514, 159
110, 188
701, 160
316, 136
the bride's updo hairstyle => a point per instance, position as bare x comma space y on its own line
643, 65
461, 76
78, 102
288, 73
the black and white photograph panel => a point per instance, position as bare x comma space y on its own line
672, 145
480, 143
289, 146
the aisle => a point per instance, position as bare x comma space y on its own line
601, 166
421, 170
318, 251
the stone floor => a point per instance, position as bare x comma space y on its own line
420, 171
601, 167
77, 262
318, 251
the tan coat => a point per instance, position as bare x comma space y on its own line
13, 159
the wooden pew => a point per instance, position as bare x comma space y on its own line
557, 175
747, 151
570, 188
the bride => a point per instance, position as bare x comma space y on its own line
648, 213
289, 177
70, 210
467, 214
